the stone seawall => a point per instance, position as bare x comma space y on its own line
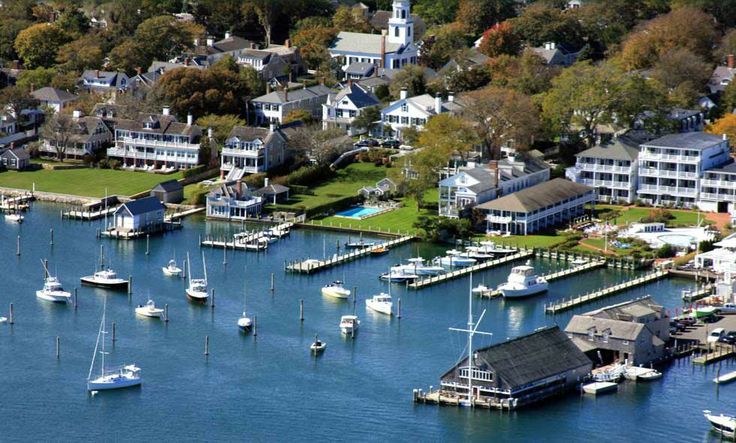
51, 196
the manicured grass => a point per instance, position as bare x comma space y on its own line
530, 241
634, 214
85, 182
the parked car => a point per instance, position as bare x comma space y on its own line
390, 143
730, 339
678, 326
687, 321
366, 142
406, 148
727, 308
715, 335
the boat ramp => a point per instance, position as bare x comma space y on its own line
249, 241
565, 304
422, 283
595, 264
314, 265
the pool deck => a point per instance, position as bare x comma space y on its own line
376, 211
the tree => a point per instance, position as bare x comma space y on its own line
724, 11
9, 30
73, 21
728, 98
127, 56
683, 71
301, 115
162, 37
435, 12
502, 116
448, 135
724, 125
266, 11
528, 73
313, 43
440, 47
539, 24
350, 20
78, 55
16, 99
411, 78
32, 79
500, 39
467, 77
38, 44
476, 15
58, 132
221, 125
368, 118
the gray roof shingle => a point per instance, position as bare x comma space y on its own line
613, 150
687, 140
538, 196
143, 205
49, 94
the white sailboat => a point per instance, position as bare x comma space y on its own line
111, 378
105, 278
245, 322
381, 302
149, 310
197, 290
52, 290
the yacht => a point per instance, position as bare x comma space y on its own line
360, 244
336, 289
14, 217
455, 258
481, 289
149, 310
490, 247
171, 270
722, 424
398, 275
417, 265
126, 376
349, 324
380, 303
52, 290
522, 282
105, 277
197, 289
245, 322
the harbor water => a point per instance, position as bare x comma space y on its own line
269, 387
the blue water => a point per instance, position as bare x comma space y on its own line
359, 212
269, 388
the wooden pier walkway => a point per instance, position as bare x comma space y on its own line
419, 284
563, 305
691, 296
313, 265
246, 241
720, 353
182, 214
81, 214
595, 264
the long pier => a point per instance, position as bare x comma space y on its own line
719, 353
419, 284
182, 214
313, 265
88, 215
563, 305
559, 275
698, 294
246, 241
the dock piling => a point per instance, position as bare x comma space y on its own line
166, 313
114, 335
76, 299
212, 302
301, 310
206, 345
398, 308
255, 326
17, 246
272, 283
148, 241
130, 284
51, 231
58, 347
11, 315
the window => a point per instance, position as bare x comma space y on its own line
478, 374
404, 108
396, 31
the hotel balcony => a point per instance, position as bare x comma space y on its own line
155, 143
499, 219
670, 190
718, 183
654, 172
124, 153
644, 156
250, 153
594, 167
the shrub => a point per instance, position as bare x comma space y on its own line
103, 164
255, 180
666, 251
114, 164
309, 175
658, 216
191, 172
197, 197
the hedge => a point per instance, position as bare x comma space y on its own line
194, 171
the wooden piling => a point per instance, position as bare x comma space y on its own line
11, 315
148, 240
52, 236
58, 347
398, 308
76, 299
166, 313
206, 345
212, 301
255, 326
17, 246
301, 310
272, 283
114, 335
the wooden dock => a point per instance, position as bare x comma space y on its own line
720, 353
81, 214
563, 305
699, 294
245, 241
559, 275
182, 214
313, 265
419, 284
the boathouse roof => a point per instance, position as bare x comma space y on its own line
168, 186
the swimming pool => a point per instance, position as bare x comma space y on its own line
679, 240
358, 212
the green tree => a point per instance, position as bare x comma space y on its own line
299, 115
313, 43
435, 12
78, 55
539, 24
724, 11
411, 78
161, 38
476, 15
350, 20
32, 79
368, 118
127, 56
38, 44
442, 45
221, 125
683, 71
528, 73
16, 99
9, 30
267, 12
73, 21
448, 135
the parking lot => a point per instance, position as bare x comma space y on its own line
700, 331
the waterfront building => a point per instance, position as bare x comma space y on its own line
394, 48
533, 209
233, 201
413, 112
170, 191
157, 142
53, 98
520, 371
671, 168
84, 136
722, 259
275, 106
15, 159
471, 186
273, 193
611, 168
142, 215
250, 150
634, 332
342, 108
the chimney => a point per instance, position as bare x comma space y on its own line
382, 63
725, 137
450, 97
287, 43
227, 34
166, 111
265, 182
268, 88
730, 62
97, 73
209, 133
493, 166
190, 119
210, 41
76, 114
403, 94
438, 105
350, 83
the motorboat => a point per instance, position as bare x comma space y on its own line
381, 250
3, 320
639, 373
125, 376
149, 310
14, 217
722, 424
490, 247
349, 324
398, 275
336, 289
318, 346
600, 387
523, 282
481, 289
725, 378
650, 375
612, 373
245, 322
455, 258
197, 289
105, 277
477, 252
579, 261
359, 244
380, 303
171, 270
52, 290
417, 265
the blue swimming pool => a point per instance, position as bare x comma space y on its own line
358, 212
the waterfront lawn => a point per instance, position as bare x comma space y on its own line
633, 214
85, 182
529, 241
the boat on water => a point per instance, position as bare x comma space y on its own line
600, 387
105, 277
481, 289
197, 289
612, 373
725, 378
398, 275
349, 324
3, 319
650, 375
245, 322
639, 373
336, 289
317, 347
579, 261
125, 376
490, 247
455, 259
380, 303
381, 250
52, 290
149, 310
14, 217
523, 282
418, 266
722, 424
359, 244
171, 269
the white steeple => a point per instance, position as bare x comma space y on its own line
401, 25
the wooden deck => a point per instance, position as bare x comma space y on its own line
313, 265
245, 241
81, 214
559, 274
718, 354
182, 214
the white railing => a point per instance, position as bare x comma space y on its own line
603, 168
644, 155
244, 152
654, 172
499, 219
718, 183
155, 143
658, 189
116, 152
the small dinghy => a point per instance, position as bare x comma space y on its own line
318, 346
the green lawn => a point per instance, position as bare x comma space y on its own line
85, 182
531, 241
633, 214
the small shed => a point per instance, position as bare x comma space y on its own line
168, 192
274, 193
145, 214
15, 159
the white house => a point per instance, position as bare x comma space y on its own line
393, 48
53, 98
250, 150
233, 201
275, 106
342, 108
157, 142
415, 111
87, 135
145, 214
611, 168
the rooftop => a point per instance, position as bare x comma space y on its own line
49, 94
142, 206
612, 150
293, 95
358, 42
686, 140
538, 196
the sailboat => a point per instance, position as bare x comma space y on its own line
52, 290
125, 376
245, 322
105, 278
197, 290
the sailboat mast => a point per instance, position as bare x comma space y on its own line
104, 313
204, 266
102, 257
245, 290
189, 270
470, 341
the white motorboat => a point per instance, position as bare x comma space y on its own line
725, 378
52, 290
349, 324
245, 322
197, 289
336, 289
318, 346
722, 424
579, 261
417, 266
523, 282
111, 378
600, 387
380, 303
612, 373
3, 319
398, 276
171, 269
481, 289
14, 217
639, 373
455, 258
105, 278
478, 252
650, 375
490, 247
149, 310
360, 244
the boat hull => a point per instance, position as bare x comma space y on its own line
116, 285
383, 308
171, 272
60, 299
510, 292
331, 292
119, 383
158, 313
197, 297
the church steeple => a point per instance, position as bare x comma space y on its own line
401, 25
